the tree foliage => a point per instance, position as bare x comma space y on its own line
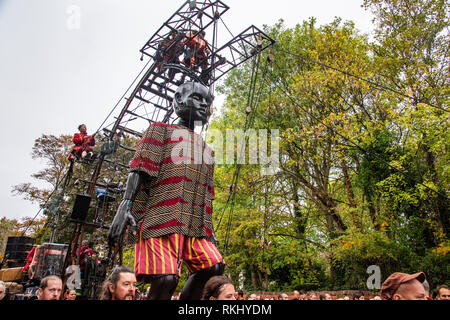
363, 152
363, 172
58, 187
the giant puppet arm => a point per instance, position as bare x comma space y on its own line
123, 216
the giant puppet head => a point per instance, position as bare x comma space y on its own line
192, 103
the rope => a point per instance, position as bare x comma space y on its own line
294, 101
45, 203
249, 122
249, 119
227, 28
377, 85
123, 96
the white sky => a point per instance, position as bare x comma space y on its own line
54, 77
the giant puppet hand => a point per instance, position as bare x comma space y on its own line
123, 216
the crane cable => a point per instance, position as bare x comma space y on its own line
370, 82
250, 116
354, 144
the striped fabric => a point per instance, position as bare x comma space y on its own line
160, 256
179, 197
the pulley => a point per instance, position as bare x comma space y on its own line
109, 147
259, 41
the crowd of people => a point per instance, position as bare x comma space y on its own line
398, 286
121, 284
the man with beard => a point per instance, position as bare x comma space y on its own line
120, 285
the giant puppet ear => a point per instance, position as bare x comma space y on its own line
179, 101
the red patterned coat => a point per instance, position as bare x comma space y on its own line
179, 197
82, 142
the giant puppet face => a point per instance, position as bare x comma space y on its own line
192, 102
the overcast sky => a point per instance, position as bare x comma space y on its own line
56, 72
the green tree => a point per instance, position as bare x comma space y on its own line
363, 161
411, 52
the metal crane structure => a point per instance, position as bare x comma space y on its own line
149, 98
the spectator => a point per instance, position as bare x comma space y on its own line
295, 295
443, 292
302, 295
50, 288
426, 286
175, 296
239, 295
356, 296
2, 291
328, 296
402, 286
218, 288
70, 294
120, 285
283, 296
27, 270
85, 252
377, 298
252, 297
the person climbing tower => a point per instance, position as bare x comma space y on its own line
168, 52
196, 51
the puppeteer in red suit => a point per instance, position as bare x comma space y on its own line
83, 144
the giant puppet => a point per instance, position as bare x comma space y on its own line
168, 201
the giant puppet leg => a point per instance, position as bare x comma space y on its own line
194, 285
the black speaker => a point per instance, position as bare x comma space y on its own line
81, 207
20, 240
17, 249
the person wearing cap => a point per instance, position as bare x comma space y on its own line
403, 286
426, 286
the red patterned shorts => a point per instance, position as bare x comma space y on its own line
160, 256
